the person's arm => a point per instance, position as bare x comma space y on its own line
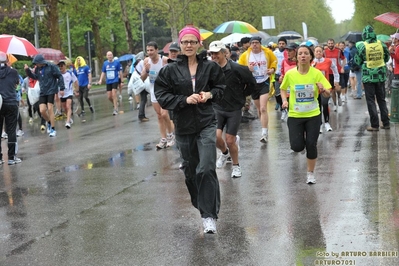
164, 91
29, 73
272, 63
395, 54
145, 69
101, 78
57, 74
248, 79
334, 69
90, 80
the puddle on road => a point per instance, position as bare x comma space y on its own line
116, 160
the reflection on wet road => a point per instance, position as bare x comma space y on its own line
101, 194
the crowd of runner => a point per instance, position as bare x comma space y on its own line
201, 97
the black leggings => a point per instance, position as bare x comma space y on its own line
83, 93
304, 132
324, 108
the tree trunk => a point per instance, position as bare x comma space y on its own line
97, 40
128, 28
53, 25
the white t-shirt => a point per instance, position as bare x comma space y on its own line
69, 79
154, 70
260, 66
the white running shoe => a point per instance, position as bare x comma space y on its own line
209, 225
162, 144
238, 142
236, 171
20, 133
284, 115
264, 139
222, 160
130, 98
170, 140
52, 133
328, 127
120, 97
67, 125
115, 112
4, 135
310, 178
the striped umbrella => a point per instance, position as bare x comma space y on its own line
235, 26
12, 44
205, 34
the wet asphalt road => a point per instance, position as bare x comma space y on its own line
100, 194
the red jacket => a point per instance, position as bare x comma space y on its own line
395, 58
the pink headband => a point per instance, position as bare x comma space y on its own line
189, 30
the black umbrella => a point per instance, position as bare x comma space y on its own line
353, 36
290, 35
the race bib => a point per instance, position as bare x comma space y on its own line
304, 93
110, 74
153, 76
304, 98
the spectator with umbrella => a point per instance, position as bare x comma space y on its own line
50, 81
394, 51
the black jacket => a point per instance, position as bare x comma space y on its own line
9, 79
239, 83
173, 86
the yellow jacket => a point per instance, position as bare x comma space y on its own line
269, 55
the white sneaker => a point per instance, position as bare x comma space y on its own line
162, 144
209, 225
236, 171
284, 115
343, 98
67, 125
328, 127
52, 133
222, 160
310, 178
115, 112
30, 120
120, 97
130, 98
4, 135
238, 142
321, 129
20, 133
170, 140
264, 139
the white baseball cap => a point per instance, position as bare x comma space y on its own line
216, 46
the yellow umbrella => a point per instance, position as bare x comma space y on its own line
11, 59
205, 34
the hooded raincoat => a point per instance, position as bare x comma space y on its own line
370, 74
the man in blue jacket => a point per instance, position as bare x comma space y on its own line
50, 79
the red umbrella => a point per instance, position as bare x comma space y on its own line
389, 18
166, 48
12, 44
51, 54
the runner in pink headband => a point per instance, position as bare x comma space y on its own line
189, 30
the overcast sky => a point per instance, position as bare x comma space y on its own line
341, 9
